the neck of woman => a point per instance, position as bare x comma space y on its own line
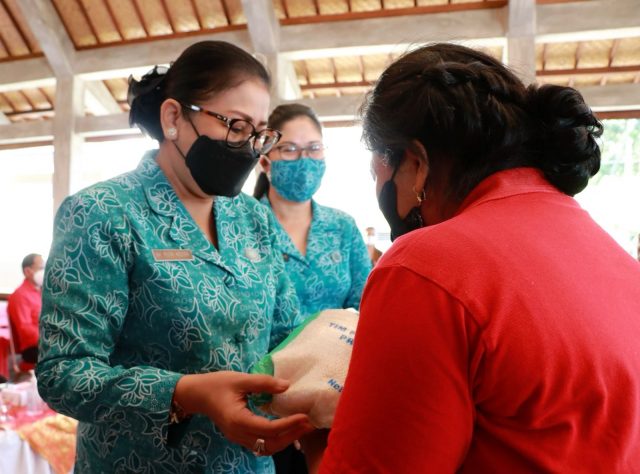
290, 211
294, 217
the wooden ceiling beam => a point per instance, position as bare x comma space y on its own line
619, 97
45, 23
99, 100
26, 132
520, 52
612, 97
264, 31
587, 21
137, 58
263, 25
382, 35
336, 85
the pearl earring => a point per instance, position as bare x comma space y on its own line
172, 132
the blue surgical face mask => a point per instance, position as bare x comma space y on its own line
297, 180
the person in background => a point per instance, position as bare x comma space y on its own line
164, 286
324, 253
374, 252
500, 331
24, 306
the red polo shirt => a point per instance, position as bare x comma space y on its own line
24, 307
504, 340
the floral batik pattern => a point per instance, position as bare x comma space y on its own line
135, 296
336, 265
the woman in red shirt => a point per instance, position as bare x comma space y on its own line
502, 336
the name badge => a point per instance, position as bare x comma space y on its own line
172, 255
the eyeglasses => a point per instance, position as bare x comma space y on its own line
241, 131
291, 151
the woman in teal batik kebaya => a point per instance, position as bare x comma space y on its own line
164, 285
324, 252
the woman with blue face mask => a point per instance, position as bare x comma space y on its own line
324, 252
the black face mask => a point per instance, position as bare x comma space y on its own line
218, 169
388, 203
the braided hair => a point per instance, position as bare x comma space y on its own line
475, 117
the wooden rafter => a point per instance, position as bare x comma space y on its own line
4, 46
362, 68
28, 100
10, 102
544, 56
16, 25
165, 9
285, 8
316, 6
46, 96
140, 15
196, 12
64, 22
614, 49
225, 10
349, 6
113, 19
87, 18
307, 76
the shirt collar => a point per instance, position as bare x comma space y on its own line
507, 183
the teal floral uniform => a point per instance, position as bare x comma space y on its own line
134, 296
335, 268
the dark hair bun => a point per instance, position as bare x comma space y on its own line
567, 150
145, 98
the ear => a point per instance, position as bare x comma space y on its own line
170, 113
417, 158
265, 163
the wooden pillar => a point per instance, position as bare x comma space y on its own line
521, 33
66, 142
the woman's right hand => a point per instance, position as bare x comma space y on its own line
222, 396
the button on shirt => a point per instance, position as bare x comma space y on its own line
335, 268
135, 296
